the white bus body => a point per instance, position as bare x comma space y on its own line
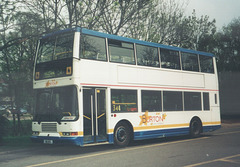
117, 102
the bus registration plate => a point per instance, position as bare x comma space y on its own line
48, 141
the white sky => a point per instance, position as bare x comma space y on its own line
221, 10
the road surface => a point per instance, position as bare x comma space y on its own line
219, 148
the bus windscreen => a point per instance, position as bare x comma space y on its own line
56, 104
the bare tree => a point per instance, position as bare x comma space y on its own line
193, 29
115, 17
227, 46
17, 48
158, 22
7, 10
165, 22
119, 16
51, 12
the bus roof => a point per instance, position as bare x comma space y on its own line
125, 39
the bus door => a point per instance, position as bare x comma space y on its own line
94, 115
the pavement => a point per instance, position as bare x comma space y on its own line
230, 120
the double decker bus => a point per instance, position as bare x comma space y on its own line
94, 88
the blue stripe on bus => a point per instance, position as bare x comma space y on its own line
169, 132
77, 29
137, 135
59, 140
67, 140
160, 133
211, 128
164, 133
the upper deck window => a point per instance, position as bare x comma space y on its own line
206, 64
55, 48
147, 56
170, 59
190, 62
54, 57
93, 48
121, 52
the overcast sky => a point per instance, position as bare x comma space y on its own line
221, 10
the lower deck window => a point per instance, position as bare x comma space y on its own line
192, 101
151, 101
206, 105
172, 101
124, 100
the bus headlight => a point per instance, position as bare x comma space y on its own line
65, 133
35, 133
69, 133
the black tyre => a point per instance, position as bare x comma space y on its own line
195, 128
122, 135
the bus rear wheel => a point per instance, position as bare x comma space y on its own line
195, 128
122, 135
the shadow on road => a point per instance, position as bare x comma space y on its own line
68, 150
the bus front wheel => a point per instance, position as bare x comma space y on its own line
122, 135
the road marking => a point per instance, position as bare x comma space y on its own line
230, 161
226, 133
115, 151
215, 160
